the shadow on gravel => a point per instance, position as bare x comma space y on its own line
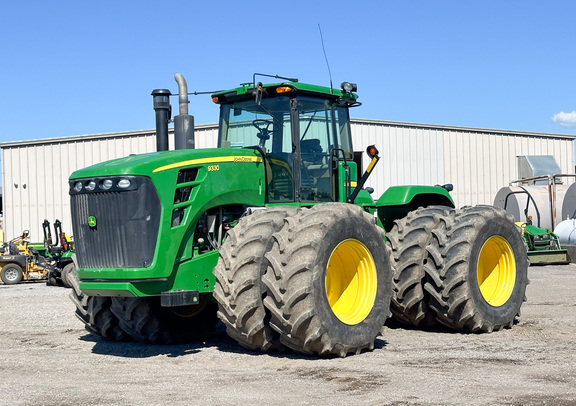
393, 324
218, 339
229, 345
134, 349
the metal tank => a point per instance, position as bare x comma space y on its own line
566, 229
569, 204
566, 232
515, 198
541, 190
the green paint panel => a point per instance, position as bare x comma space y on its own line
397, 201
548, 257
401, 195
224, 177
297, 86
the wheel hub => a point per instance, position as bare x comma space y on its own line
351, 281
11, 274
496, 271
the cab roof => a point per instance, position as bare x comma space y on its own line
250, 90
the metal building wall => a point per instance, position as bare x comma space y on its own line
45, 165
409, 155
477, 162
480, 163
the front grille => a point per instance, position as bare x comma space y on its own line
123, 226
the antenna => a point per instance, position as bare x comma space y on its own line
326, 58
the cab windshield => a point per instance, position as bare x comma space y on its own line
317, 130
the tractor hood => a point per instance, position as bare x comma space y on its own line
155, 162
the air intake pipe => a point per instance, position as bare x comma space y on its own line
183, 122
163, 112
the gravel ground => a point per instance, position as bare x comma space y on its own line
47, 358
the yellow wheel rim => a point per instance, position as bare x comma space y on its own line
351, 281
496, 271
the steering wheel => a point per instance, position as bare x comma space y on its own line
263, 127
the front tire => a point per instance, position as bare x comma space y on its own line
94, 312
477, 270
148, 322
329, 280
11, 274
239, 271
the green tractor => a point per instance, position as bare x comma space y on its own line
60, 252
274, 234
542, 245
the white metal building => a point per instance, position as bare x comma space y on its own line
478, 162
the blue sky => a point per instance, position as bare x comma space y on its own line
76, 67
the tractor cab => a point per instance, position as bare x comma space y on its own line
301, 131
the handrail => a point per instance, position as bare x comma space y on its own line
551, 190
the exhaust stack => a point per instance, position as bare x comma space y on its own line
183, 122
163, 112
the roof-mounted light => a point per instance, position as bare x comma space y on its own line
348, 87
284, 89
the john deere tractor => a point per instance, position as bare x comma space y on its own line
274, 234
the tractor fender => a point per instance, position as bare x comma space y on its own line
398, 201
13, 259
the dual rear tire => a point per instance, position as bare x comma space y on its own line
461, 269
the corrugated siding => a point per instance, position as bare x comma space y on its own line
206, 137
409, 156
45, 167
477, 162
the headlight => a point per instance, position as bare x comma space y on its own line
124, 183
106, 184
97, 184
